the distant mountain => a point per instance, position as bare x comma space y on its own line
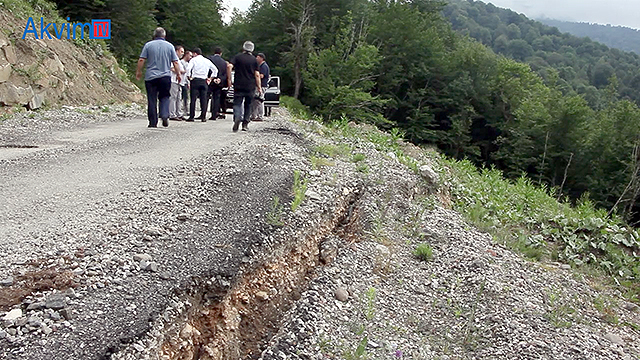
618, 37
574, 64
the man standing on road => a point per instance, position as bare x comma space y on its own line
175, 111
217, 100
258, 102
184, 84
160, 55
198, 72
246, 80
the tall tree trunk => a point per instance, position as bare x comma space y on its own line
302, 37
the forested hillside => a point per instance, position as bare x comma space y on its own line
583, 66
619, 37
558, 108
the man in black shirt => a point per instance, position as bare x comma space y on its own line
218, 107
246, 81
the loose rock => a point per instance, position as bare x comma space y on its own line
13, 314
142, 257
342, 294
262, 295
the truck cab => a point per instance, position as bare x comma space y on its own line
271, 95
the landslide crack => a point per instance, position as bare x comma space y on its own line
235, 319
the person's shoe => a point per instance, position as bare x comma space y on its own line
221, 117
213, 118
204, 120
258, 119
235, 126
152, 126
165, 122
244, 127
190, 119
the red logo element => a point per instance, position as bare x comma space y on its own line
100, 29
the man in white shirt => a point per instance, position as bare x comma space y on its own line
198, 72
175, 111
184, 84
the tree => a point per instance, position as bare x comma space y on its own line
302, 34
192, 23
340, 79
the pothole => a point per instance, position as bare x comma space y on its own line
281, 131
237, 320
17, 146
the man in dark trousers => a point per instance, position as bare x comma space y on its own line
218, 107
201, 71
160, 55
258, 102
246, 81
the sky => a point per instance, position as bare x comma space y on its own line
614, 12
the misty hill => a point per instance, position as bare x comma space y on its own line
583, 65
619, 37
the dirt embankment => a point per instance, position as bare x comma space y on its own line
37, 72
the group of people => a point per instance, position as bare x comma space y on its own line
173, 75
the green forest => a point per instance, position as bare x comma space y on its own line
479, 82
619, 37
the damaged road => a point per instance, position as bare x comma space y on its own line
101, 224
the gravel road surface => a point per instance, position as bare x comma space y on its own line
126, 215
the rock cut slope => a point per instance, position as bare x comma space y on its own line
34, 72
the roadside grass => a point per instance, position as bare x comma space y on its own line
295, 107
527, 218
520, 214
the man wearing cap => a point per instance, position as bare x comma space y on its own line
159, 55
258, 101
246, 81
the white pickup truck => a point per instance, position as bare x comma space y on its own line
271, 96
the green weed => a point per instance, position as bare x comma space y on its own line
560, 311
358, 157
275, 214
320, 162
363, 168
370, 311
332, 150
359, 352
299, 190
424, 252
